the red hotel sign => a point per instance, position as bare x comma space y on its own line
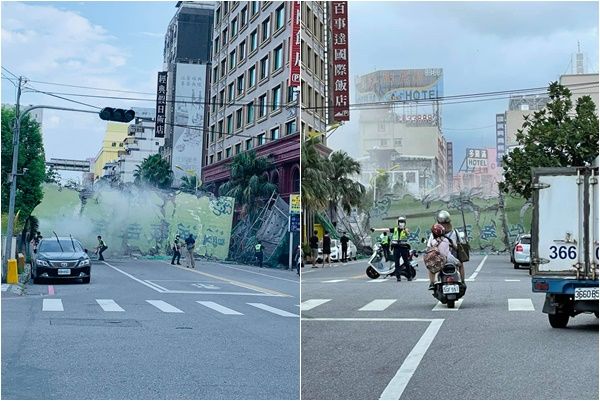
295, 46
340, 84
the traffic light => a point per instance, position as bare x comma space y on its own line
119, 115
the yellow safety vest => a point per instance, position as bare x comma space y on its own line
384, 239
400, 236
257, 247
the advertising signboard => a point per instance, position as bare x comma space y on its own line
295, 46
477, 158
340, 73
295, 208
161, 104
188, 131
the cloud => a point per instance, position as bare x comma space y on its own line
152, 34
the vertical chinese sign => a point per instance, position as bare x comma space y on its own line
340, 75
295, 46
161, 105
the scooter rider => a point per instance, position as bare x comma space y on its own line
400, 246
442, 244
443, 218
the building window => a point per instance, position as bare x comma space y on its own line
280, 17
253, 7
224, 37
253, 40
212, 159
251, 76
114, 144
230, 124
230, 92
262, 106
234, 27
398, 142
248, 144
383, 142
238, 118
232, 60
228, 152
223, 67
411, 178
278, 58
240, 84
242, 50
218, 16
250, 113
275, 133
213, 105
225, 7
266, 29
221, 98
291, 94
264, 68
215, 73
220, 129
219, 156
212, 134
290, 127
244, 17
216, 45
276, 97
260, 139
238, 148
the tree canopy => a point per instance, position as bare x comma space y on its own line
31, 157
154, 171
557, 136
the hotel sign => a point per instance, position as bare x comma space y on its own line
161, 105
340, 73
295, 46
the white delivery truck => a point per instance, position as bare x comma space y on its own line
564, 252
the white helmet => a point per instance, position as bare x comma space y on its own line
402, 222
443, 217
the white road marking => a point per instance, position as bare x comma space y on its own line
334, 281
156, 285
476, 272
398, 384
378, 305
219, 308
163, 306
312, 303
52, 305
378, 280
272, 310
520, 304
421, 279
511, 280
440, 306
108, 305
207, 286
134, 278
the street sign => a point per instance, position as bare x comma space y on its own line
295, 203
477, 158
294, 223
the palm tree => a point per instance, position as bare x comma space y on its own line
345, 191
154, 171
189, 184
248, 182
315, 186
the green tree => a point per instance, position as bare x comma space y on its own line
154, 171
189, 184
52, 176
31, 157
248, 182
556, 136
315, 185
344, 190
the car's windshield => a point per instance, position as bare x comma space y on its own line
50, 245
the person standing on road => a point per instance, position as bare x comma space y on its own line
400, 247
190, 244
259, 253
313, 241
176, 250
298, 258
326, 249
344, 241
101, 248
385, 245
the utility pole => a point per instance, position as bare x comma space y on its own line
13, 182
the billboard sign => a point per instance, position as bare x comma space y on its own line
340, 73
161, 104
295, 203
190, 86
295, 46
477, 158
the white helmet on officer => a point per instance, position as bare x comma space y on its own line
443, 217
401, 222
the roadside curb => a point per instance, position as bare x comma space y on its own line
20, 288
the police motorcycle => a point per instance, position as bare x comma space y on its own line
448, 286
377, 266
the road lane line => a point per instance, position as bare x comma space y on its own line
259, 274
398, 384
476, 272
219, 308
163, 306
134, 278
510, 280
378, 280
335, 281
52, 305
272, 310
156, 285
109, 305
312, 303
520, 304
378, 305
440, 306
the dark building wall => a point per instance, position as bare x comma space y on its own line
194, 37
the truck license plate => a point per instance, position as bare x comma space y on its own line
64, 271
586, 294
450, 289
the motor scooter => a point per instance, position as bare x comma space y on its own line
377, 266
448, 286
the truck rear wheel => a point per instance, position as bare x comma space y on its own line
558, 320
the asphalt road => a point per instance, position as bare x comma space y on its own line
497, 344
148, 330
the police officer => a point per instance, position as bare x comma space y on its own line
176, 250
400, 247
384, 240
258, 253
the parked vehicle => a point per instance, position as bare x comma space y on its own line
336, 251
521, 251
378, 266
61, 258
564, 246
448, 286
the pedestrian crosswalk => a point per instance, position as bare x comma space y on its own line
110, 305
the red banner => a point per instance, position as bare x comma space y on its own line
295, 46
340, 83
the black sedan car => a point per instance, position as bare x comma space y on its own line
61, 258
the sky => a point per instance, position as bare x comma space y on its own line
481, 47
111, 45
